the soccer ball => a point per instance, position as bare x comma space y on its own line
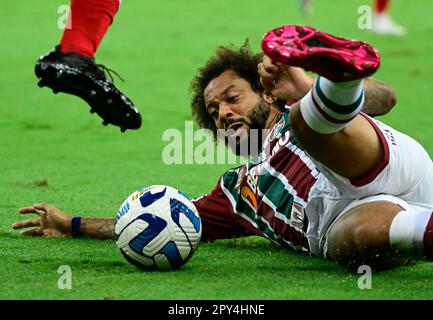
157, 228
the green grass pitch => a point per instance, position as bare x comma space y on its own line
53, 150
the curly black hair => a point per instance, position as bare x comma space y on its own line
240, 60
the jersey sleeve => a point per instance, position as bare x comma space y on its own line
217, 216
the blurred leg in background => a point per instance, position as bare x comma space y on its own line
306, 7
382, 22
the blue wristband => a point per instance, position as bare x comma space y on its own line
75, 227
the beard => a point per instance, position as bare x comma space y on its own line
258, 116
248, 140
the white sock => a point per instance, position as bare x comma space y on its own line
411, 234
330, 106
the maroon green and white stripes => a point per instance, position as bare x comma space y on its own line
282, 194
267, 197
330, 106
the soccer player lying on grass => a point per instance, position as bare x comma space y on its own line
330, 180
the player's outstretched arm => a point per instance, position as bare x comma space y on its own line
53, 222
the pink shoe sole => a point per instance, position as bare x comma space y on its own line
334, 58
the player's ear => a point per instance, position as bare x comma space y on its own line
268, 97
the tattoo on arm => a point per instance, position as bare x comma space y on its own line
379, 97
102, 228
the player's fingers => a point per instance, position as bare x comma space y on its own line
25, 210
26, 223
267, 84
265, 77
270, 66
273, 69
40, 212
35, 232
41, 206
261, 69
46, 233
281, 65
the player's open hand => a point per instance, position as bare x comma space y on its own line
282, 81
52, 222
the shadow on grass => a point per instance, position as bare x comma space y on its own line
251, 253
288, 258
259, 253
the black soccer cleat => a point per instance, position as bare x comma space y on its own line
80, 76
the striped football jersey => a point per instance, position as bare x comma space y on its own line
265, 197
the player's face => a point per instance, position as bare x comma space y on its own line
235, 109
233, 104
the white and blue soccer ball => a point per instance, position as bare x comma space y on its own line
158, 228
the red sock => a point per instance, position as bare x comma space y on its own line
380, 6
90, 21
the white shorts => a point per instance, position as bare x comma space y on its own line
405, 177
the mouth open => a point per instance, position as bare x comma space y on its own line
235, 126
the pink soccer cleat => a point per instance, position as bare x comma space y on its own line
336, 59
